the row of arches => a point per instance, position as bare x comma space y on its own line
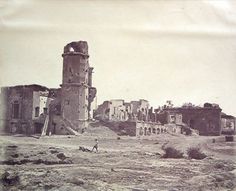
152, 130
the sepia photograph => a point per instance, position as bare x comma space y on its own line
125, 95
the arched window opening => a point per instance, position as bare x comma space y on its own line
36, 111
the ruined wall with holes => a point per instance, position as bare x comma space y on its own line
207, 120
228, 124
18, 104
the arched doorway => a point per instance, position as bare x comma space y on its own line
145, 131
141, 131
154, 130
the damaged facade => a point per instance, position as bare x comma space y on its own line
24, 108
142, 120
119, 110
206, 120
135, 118
34, 109
228, 124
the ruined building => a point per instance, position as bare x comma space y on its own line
228, 124
133, 118
119, 110
24, 108
76, 91
141, 120
36, 109
206, 119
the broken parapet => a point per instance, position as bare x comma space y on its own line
79, 47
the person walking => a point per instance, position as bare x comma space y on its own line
96, 145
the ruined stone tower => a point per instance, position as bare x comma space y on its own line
76, 91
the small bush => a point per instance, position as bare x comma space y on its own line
195, 153
171, 152
229, 138
61, 156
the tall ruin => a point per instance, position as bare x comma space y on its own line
77, 92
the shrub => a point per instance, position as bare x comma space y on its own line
229, 138
171, 152
195, 153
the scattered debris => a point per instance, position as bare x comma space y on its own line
14, 162
222, 165
48, 186
12, 146
149, 154
10, 178
42, 152
76, 181
84, 149
54, 151
15, 155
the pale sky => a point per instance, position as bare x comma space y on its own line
179, 50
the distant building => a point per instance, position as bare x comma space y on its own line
113, 110
139, 110
134, 119
118, 110
228, 124
207, 119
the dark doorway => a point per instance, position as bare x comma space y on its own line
191, 123
145, 131
38, 128
54, 128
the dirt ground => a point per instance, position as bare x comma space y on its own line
124, 163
